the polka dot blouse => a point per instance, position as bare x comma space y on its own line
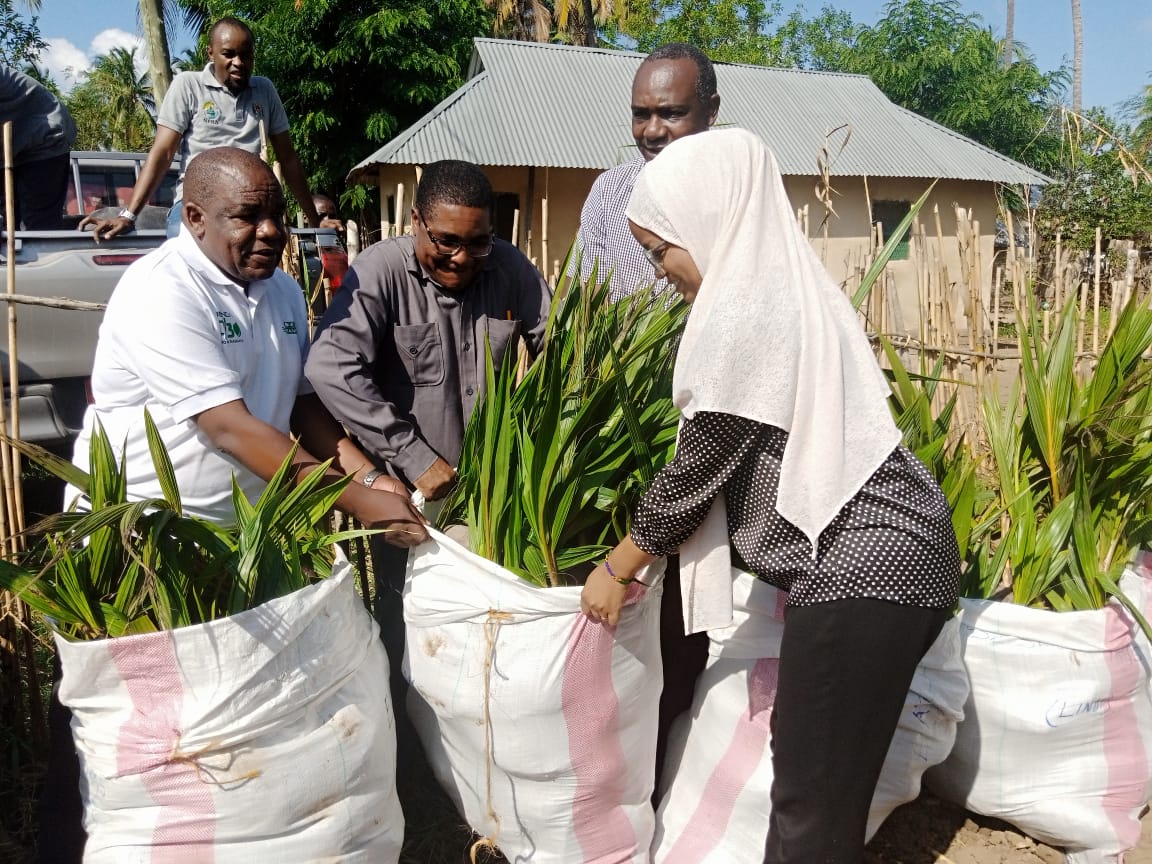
893, 541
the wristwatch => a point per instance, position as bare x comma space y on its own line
127, 214
370, 477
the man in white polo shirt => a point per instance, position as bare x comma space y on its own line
210, 337
221, 105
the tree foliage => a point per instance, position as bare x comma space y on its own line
1103, 183
20, 41
113, 106
354, 73
932, 58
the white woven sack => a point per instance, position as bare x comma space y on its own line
539, 723
1057, 738
266, 736
717, 782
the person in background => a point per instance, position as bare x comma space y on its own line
398, 358
222, 105
42, 137
673, 95
325, 208
789, 463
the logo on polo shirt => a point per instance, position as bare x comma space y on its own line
289, 328
211, 112
229, 330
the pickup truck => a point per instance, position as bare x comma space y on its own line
55, 346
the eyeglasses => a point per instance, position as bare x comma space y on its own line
481, 248
655, 255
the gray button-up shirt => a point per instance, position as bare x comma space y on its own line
400, 360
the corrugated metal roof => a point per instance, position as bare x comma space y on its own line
561, 106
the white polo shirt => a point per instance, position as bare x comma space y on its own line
180, 337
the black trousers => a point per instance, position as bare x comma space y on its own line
683, 659
845, 669
388, 566
40, 191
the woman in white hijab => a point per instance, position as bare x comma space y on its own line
789, 466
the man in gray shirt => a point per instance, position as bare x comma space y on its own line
222, 105
42, 136
399, 356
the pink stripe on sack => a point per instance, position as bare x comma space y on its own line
704, 831
591, 715
1124, 751
185, 825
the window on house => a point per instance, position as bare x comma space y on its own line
504, 215
890, 214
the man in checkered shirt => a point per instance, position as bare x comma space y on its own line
673, 95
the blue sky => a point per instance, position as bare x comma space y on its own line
1117, 63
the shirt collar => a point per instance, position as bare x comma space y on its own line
209, 80
199, 263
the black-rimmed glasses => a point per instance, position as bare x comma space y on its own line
475, 248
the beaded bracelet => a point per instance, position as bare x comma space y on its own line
622, 580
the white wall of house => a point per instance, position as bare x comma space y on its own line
844, 250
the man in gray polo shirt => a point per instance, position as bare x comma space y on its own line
222, 105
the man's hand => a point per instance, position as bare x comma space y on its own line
384, 483
104, 229
329, 222
437, 481
403, 524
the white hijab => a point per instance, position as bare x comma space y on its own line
770, 337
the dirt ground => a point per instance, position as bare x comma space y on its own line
929, 830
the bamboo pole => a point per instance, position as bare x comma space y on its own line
1096, 299
1058, 272
1081, 314
544, 227
352, 228
9, 458
385, 225
399, 224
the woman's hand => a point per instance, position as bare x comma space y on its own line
603, 597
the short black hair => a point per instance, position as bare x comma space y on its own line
229, 21
453, 181
705, 73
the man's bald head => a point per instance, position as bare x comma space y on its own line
214, 168
234, 207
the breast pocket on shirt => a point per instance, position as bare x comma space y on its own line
502, 336
421, 351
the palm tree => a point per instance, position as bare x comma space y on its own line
1141, 109
156, 37
576, 20
120, 100
523, 20
1077, 58
1009, 32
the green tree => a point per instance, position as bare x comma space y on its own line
1103, 182
932, 58
20, 41
730, 31
113, 105
354, 73
1139, 107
